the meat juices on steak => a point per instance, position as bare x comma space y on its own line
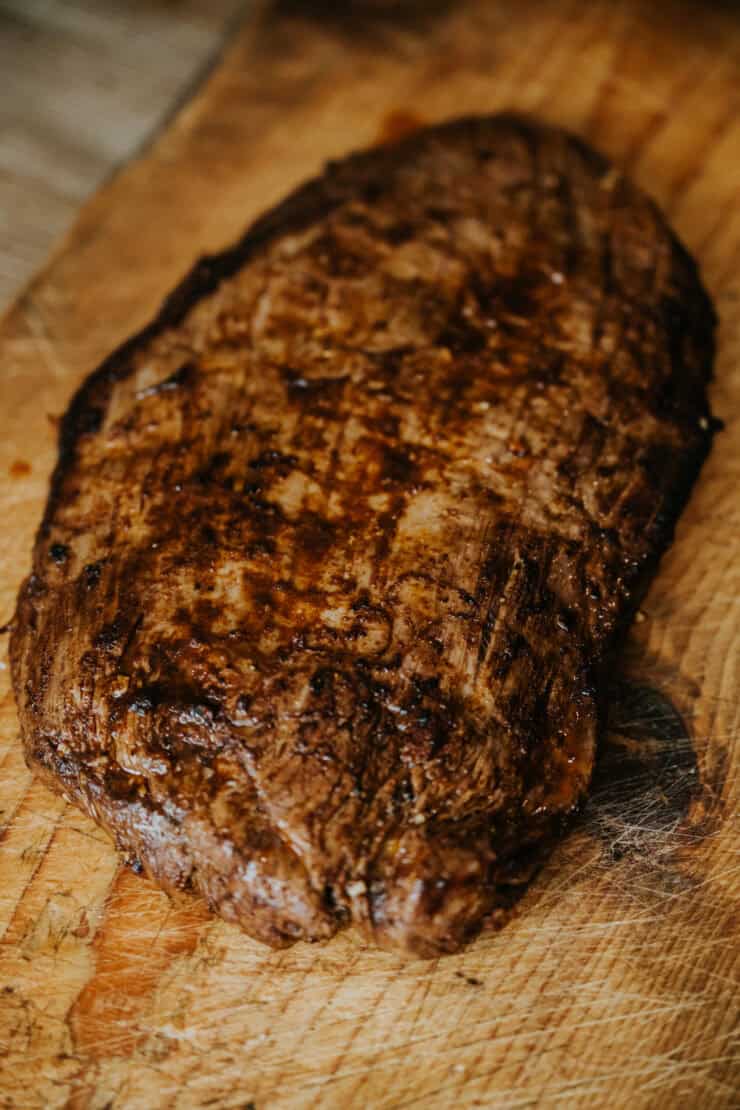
337, 547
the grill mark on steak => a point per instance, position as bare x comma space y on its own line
337, 549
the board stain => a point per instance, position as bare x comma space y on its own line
19, 468
397, 124
471, 980
141, 936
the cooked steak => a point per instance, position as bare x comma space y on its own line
336, 549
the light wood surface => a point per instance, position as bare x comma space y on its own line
616, 985
82, 85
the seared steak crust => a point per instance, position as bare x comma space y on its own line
336, 549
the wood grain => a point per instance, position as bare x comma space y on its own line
84, 83
617, 983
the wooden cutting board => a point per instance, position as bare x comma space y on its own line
616, 984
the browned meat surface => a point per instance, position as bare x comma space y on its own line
337, 548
